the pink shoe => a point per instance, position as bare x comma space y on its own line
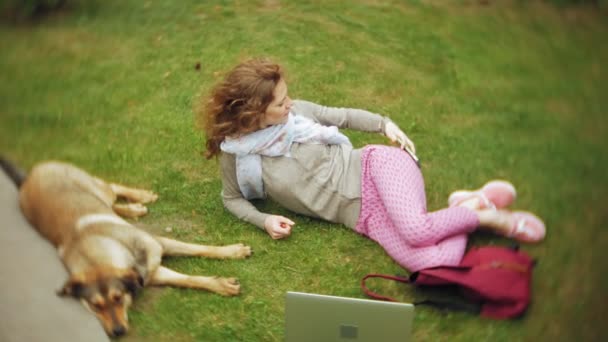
495, 194
527, 227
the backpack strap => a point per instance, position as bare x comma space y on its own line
439, 304
372, 294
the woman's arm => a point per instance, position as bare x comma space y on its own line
276, 226
231, 194
357, 119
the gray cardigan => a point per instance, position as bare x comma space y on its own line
322, 181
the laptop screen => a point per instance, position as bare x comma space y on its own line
315, 317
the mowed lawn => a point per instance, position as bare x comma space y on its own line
515, 90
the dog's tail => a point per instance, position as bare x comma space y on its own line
16, 174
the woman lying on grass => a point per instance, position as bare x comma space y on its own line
291, 151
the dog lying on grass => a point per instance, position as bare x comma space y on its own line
107, 258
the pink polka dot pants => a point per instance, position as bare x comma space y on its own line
393, 213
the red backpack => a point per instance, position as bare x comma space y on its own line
496, 279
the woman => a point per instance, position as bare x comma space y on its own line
291, 151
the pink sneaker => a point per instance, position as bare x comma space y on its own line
495, 194
527, 227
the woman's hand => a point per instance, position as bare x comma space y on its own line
278, 227
396, 135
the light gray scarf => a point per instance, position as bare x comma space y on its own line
274, 141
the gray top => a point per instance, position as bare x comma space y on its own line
322, 181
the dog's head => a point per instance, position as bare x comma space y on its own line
108, 295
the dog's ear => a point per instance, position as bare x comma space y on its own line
73, 288
133, 282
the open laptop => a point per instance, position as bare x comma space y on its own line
320, 318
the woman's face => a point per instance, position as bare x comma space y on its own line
278, 110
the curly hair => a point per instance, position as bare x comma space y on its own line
237, 104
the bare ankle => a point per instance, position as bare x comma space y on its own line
472, 203
496, 221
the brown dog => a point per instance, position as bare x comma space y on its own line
108, 258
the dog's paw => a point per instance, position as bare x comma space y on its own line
147, 196
228, 286
130, 209
137, 209
239, 251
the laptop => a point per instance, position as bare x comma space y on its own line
320, 318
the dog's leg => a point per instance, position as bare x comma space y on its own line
134, 195
222, 286
174, 247
129, 209
148, 254
103, 191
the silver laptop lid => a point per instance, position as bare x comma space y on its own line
319, 318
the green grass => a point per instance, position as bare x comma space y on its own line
513, 90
